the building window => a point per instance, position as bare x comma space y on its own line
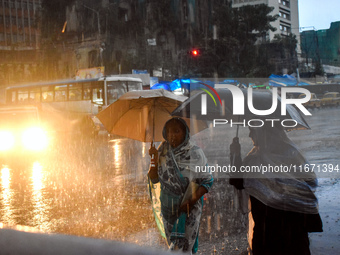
12, 4
285, 29
7, 21
185, 11
6, 4
9, 38
19, 23
93, 58
284, 15
123, 14
285, 3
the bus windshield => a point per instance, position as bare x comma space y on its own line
116, 89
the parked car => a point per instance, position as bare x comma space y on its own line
331, 99
314, 102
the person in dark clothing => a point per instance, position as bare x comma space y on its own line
235, 152
283, 205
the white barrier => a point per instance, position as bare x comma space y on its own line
18, 241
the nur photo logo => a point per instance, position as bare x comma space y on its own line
246, 102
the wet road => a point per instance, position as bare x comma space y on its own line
79, 188
99, 189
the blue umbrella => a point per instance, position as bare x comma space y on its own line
284, 80
162, 85
190, 84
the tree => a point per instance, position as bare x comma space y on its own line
283, 50
247, 24
239, 29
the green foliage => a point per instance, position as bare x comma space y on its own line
234, 53
318, 68
286, 42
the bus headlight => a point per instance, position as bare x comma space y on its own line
7, 140
34, 139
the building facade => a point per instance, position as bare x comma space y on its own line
121, 35
288, 21
19, 38
321, 46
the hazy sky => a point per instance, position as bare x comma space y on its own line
318, 13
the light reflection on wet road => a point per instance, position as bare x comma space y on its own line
81, 188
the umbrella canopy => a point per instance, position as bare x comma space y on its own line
190, 84
262, 100
140, 115
162, 85
285, 80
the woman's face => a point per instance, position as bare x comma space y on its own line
175, 133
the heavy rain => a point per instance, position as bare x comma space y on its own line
68, 167
99, 189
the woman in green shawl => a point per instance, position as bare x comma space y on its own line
175, 169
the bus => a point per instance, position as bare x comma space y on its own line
70, 106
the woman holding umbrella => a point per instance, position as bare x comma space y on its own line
175, 169
283, 205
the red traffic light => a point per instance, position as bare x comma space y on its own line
194, 53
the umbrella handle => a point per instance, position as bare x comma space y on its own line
237, 126
152, 155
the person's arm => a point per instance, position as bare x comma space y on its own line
153, 170
205, 181
188, 205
